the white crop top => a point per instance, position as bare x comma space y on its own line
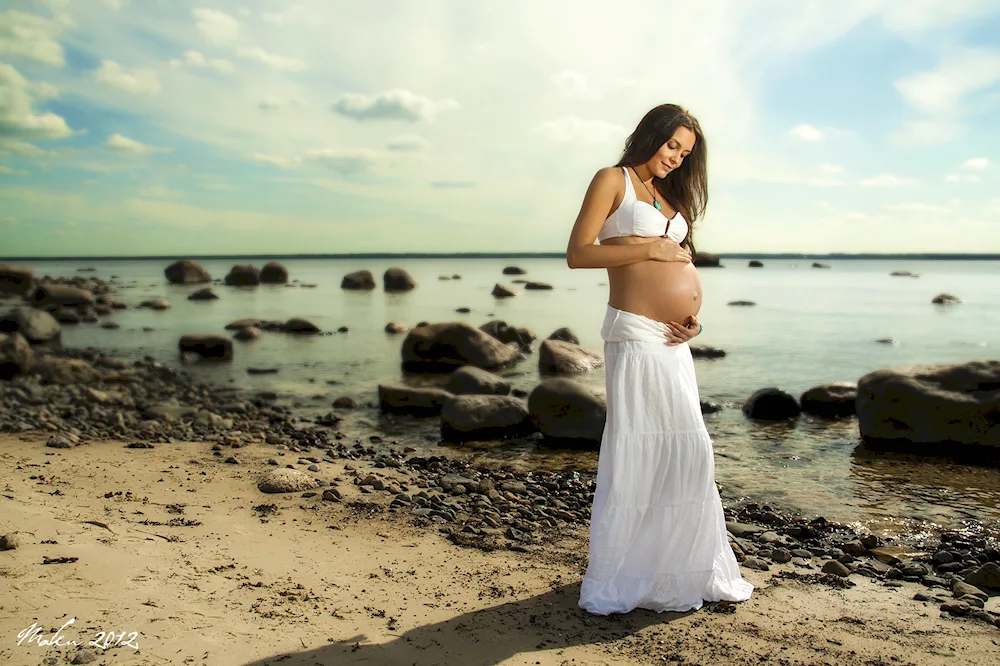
634, 217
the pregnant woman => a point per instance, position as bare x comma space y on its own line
657, 531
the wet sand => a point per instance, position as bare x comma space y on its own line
176, 552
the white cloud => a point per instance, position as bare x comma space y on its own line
962, 178
573, 84
918, 208
826, 167
7, 171
887, 180
571, 129
917, 16
344, 161
17, 118
926, 133
217, 26
270, 104
136, 81
273, 61
32, 37
9, 220
806, 132
115, 4
976, 163
197, 60
121, 144
940, 91
408, 143
394, 104
21, 148
158, 192
282, 162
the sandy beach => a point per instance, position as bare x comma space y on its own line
180, 551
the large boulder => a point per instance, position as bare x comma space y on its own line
243, 275
771, 404
50, 294
563, 409
37, 326
16, 356
443, 346
16, 279
558, 357
706, 260
207, 345
358, 281
273, 273
470, 380
480, 417
932, 407
415, 401
186, 271
830, 400
514, 270
396, 279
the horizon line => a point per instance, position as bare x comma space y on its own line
501, 255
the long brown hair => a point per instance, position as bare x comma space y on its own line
685, 188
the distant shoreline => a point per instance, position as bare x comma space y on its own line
490, 255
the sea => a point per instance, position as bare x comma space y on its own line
808, 326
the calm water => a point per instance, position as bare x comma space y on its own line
809, 326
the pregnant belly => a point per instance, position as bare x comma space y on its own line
661, 290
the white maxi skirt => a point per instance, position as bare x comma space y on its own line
657, 531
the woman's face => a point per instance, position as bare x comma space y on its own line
672, 153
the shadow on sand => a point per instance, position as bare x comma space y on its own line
486, 637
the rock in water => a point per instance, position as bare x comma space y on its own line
470, 380
771, 404
37, 326
300, 325
273, 273
830, 400
564, 334
61, 294
932, 408
503, 291
186, 271
706, 260
243, 275
566, 409
480, 417
945, 299
16, 279
444, 346
205, 294
398, 399
286, 480
514, 270
557, 357
207, 345
396, 279
358, 280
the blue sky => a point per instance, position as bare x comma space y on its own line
133, 127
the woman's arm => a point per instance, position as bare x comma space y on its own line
581, 251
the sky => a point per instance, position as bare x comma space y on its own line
169, 127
